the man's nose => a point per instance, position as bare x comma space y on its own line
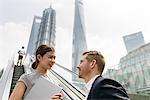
78, 65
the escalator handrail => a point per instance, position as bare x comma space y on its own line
68, 83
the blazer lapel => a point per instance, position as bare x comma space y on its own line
99, 78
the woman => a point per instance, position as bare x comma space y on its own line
45, 59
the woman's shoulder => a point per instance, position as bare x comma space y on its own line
27, 78
27, 74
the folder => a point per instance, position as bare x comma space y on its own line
42, 90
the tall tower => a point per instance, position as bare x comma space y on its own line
33, 35
79, 39
47, 28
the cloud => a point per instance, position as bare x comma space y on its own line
12, 37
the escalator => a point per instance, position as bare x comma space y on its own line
18, 71
70, 91
1, 72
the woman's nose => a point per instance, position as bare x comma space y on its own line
53, 60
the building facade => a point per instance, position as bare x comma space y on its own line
47, 32
134, 71
133, 41
79, 38
33, 35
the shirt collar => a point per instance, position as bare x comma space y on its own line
89, 83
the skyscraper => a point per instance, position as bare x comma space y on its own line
79, 39
33, 35
133, 41
47, 28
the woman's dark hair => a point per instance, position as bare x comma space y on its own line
42, 49
34, 65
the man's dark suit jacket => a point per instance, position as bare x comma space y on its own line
107, 89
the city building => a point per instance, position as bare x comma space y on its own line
133, 41
134, 70
79, 39
33, 35
47, 30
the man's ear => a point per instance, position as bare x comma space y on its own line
93, 63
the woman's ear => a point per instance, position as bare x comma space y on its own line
38, 57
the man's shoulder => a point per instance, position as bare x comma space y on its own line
107, 82
108, 88
103, 80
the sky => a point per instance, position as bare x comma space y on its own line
106, 22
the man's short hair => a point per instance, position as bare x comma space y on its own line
95, 55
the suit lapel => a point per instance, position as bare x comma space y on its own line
99, 78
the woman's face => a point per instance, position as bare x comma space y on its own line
47, 61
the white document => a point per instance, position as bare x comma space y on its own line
42, 90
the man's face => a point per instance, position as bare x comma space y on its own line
83, 67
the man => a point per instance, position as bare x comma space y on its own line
20, 57
90, 69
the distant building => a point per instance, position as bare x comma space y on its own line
33, 35
133, 41
47, 28
43, 31
134, 71
79, 39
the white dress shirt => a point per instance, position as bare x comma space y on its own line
89, 85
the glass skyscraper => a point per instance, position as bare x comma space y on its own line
47, 28
43, 30
79, 39
33, 35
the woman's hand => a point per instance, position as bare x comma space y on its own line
56, 96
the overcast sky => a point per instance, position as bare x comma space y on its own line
106, 22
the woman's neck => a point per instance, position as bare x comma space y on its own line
40, 69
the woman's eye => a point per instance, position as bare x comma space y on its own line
51, 57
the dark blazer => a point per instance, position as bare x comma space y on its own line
107, 89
